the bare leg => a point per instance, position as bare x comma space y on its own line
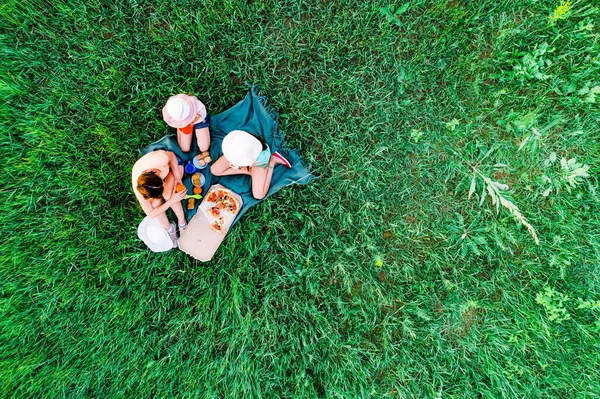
261, 178
162, 218
178, 209
203, 139
184, 140
222, 167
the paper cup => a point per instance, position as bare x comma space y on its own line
190, 168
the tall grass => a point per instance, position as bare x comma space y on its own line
381, 278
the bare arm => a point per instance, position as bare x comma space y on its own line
174, 165
152, 212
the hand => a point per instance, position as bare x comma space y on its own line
178, 196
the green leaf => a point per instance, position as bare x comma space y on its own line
402, 9
482, 196
452, 124
472, 188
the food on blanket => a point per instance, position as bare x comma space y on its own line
220, 208
228, 204
222, 194
191, 203
212, 197
224, 200
217, 225
180, 187
233, 205
202, 159
197, 190
196, 179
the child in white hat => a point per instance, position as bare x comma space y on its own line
187, 114
247, 154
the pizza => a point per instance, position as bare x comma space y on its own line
217, 225
220, 207
212, 197
223, 194
233, 205
224, 200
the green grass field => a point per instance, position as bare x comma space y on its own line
380, 279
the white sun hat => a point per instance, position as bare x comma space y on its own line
181, 110
240, 148
154, 235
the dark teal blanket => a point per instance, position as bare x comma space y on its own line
251, 115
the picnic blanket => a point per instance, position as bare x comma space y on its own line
253, 115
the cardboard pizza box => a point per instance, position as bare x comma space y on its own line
199, 240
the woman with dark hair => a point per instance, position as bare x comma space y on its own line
154, 178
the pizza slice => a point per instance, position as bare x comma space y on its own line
217, 225
233, 205
223, 194
215, 211
212, 197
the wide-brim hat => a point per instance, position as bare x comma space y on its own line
240, 148
154, 235
181, 110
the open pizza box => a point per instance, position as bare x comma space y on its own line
202, 237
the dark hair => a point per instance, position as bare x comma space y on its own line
262, 141
150, 185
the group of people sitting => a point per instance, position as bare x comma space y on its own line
156, 175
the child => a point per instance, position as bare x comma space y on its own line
154, 178
188, 114
247, 154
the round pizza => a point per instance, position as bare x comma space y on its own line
224, 201
220, 205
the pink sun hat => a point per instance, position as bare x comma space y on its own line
182, 109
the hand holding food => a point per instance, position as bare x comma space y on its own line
178, 193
